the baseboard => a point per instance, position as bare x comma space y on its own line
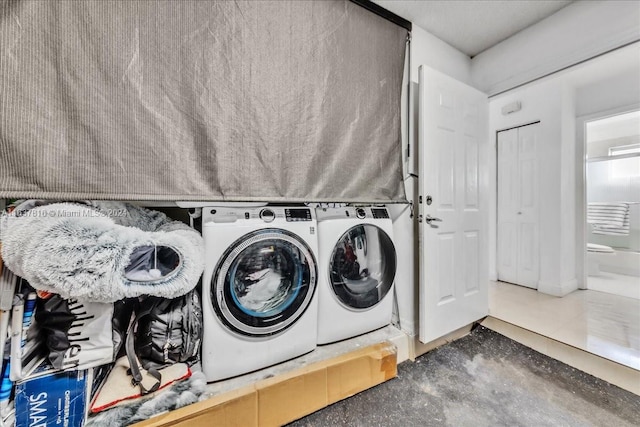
418, 348
558, 289
569, 286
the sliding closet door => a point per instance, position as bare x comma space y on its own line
518, 249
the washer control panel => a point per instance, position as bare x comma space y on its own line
378, 213
301, 214
267, 215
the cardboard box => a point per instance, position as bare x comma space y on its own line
58, 399
288, 397
355, 374
291, 396
285, 398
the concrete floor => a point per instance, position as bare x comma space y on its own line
484, 379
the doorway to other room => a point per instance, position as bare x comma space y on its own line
612, 183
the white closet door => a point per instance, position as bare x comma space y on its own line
518, 254
508, 206
454, 276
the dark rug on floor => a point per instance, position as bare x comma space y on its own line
484, 379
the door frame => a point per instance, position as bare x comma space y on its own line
581, 182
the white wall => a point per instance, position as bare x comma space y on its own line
426, 49
575, 33
429, 50
544, 102
605, 83
621, 87
568, 195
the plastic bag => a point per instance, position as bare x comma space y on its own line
82, 335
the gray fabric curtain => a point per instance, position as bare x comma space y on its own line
200, 100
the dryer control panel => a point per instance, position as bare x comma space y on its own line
297, 214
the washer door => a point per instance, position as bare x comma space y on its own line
264, 282
362, 266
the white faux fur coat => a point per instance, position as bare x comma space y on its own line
81, 250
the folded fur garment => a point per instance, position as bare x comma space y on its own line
101, 251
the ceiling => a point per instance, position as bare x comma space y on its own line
476, 25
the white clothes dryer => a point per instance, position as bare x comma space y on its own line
258, 288
357, 260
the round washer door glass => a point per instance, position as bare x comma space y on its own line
264, 282
362, 266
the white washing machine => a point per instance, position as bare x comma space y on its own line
357, 261
258, 288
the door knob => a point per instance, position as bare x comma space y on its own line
429, 218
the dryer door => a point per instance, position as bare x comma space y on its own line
264, 282
362, 266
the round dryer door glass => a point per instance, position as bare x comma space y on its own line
362, 266
264, 282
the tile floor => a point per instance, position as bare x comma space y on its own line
600, 323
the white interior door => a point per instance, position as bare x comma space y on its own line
518, 206
454, 273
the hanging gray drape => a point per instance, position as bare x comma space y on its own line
200, 100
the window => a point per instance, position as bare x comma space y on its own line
624, 149
628, 166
